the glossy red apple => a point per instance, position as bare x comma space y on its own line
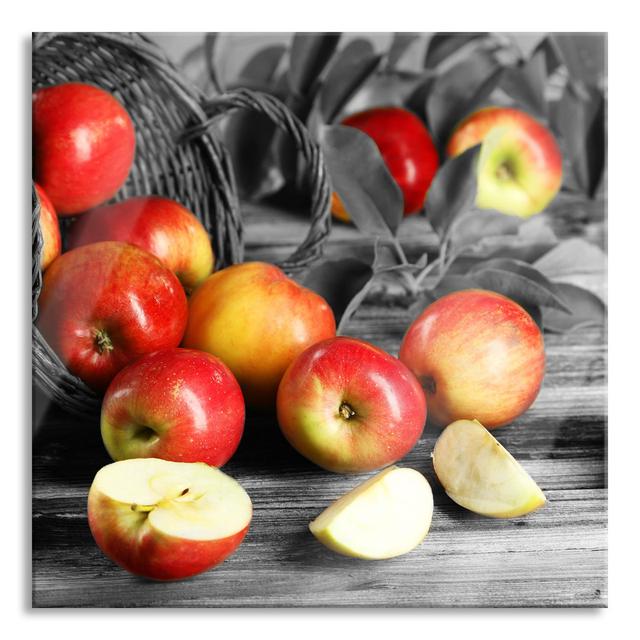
350, 407
106, 304
161, 226
167, 520
178, 404
83, 145
256, 320
50, 229
479, 356
520, 164
407, 150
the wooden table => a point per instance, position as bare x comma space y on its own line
554, 557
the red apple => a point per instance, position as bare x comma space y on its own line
83, 145
407, 150
167, 520
350, 407
478, 355
256, 320
520, 165
161, 226
50, 229
106, 304
177, 404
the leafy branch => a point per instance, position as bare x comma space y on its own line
321, 77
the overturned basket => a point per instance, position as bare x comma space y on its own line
176, 157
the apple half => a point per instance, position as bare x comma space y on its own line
386, 516
167, 520
479, 474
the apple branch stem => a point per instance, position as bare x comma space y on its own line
441, 263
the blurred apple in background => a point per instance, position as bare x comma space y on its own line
106, 304
83, 145
350, 407
177, 404
520, 164
407, 150
478, 355
161, 226
384, 517
167, 520
479, 474
256, 320
50, 229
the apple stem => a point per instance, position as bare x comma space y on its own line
346, 411
102, 341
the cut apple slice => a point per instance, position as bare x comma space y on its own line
479, 474
386, 516
167, 520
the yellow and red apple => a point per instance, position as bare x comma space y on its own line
178, 404
104, 305
519, 169
161, 226
256, 320
50, 229
167, 520
350, 407
478, 354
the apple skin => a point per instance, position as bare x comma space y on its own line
478, 355
106, 304
158, 556
178, 404
337, 209
406, 148
256, 320
50, 229
83, 145
520, 164
350, 407
161, 226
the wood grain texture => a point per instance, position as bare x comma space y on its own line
556, 556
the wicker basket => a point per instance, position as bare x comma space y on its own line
176, 157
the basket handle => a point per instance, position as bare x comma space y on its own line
37, 245
279, 114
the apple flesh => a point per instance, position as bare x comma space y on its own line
386, 516
478, 355
106, 304
479, 474
50, 229
177, 404
406, 148
350, 407
256, 320
167, 520
83, 145
161, 226
519, 169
